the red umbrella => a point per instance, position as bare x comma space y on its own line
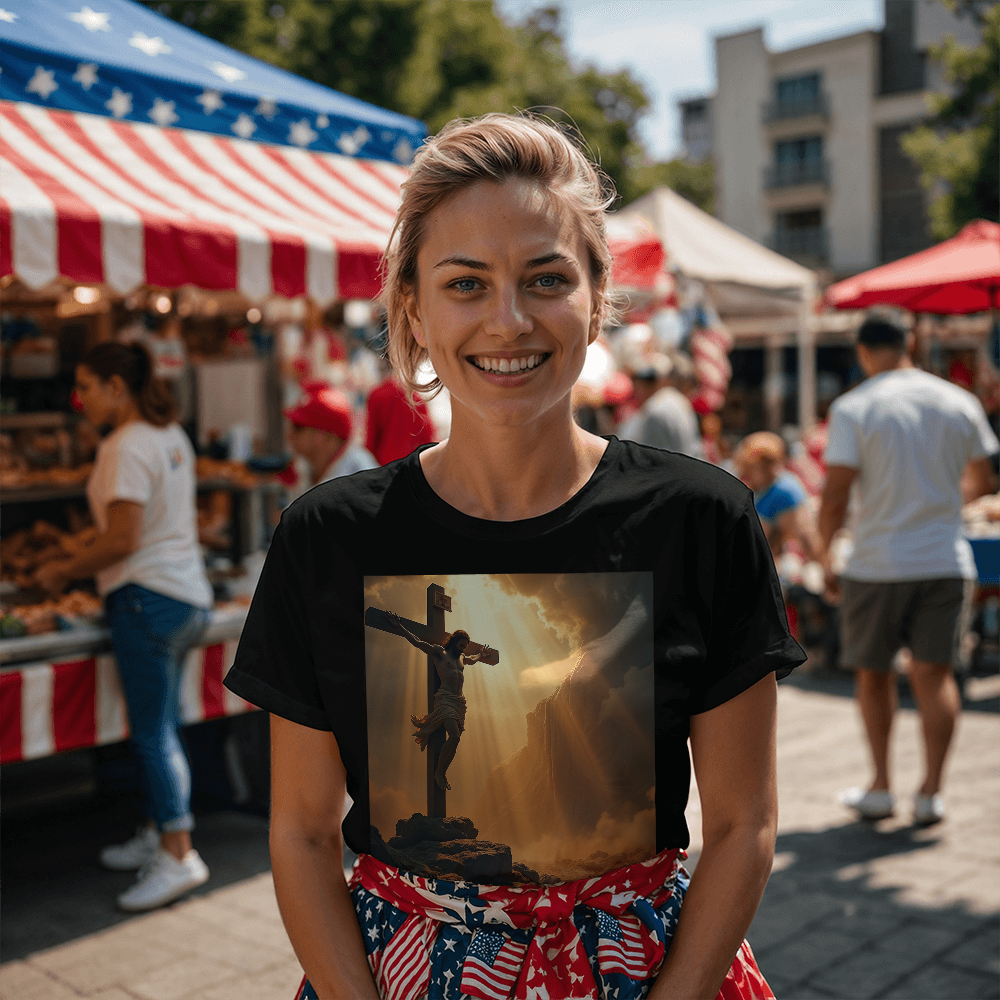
961, 275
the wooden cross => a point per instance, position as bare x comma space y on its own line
438, 602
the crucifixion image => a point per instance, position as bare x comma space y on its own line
448, 653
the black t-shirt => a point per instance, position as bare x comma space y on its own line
649, 597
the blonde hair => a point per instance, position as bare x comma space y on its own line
763, 446
495, 148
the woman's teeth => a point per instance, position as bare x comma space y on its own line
510, 365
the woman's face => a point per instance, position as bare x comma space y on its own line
100, 400
504, 303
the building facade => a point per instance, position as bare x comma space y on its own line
806, 142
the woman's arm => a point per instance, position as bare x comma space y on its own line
122, 537
308, 785
733, 747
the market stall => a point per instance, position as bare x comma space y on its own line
758, 294
115, 222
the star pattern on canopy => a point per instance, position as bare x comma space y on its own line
120, 104
228, 73
244, 126
266, 107
162, 112
42, 83
301, 133
92, 20
8, 15
86, 75
154, 46
210, 100
350, 142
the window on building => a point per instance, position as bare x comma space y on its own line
800, 233
808, 150
903, 225
902, 67
694, 112
801, 90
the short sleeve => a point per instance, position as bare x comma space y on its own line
985, 442
749, 638
842, 447
274, 666
134, 478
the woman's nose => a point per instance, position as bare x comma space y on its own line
509, 319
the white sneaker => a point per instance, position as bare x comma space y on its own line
164, 879
927, 809
868, 804
134, 853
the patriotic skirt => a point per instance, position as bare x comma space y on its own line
603, 937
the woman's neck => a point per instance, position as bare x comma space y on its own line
511, 473
128, 414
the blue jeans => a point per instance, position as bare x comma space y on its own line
151, 635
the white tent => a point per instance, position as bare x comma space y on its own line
755, 290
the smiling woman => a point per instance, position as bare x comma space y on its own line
610, 601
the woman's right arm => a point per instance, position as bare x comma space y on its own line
308, 788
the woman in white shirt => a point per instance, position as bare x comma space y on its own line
150, 572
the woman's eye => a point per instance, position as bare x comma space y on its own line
465, 285
550, 281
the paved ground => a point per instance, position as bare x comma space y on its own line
853, 910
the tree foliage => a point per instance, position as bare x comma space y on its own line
694, 181
958, 150
439, 59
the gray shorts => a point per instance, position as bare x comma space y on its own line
877, 619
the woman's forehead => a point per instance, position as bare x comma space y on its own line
517, 215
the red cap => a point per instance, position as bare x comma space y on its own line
327, 410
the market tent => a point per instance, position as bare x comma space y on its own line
125, 61
94, 200
750, 286
960, 275
739, 275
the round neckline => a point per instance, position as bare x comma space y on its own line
456, 520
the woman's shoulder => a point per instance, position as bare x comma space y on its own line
677, 476
357, 497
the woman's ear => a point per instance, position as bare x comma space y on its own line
596, 318
413, 317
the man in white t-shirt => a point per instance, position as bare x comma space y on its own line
904, 437
321, 427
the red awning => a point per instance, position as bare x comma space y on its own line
100, 201
960, 275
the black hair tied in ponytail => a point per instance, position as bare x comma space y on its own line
133, 364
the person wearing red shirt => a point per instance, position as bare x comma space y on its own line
395, 428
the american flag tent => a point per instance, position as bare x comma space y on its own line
135, 151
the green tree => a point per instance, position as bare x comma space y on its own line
435, 60
694, 181
958, 150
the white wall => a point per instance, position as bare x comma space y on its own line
740, 149
848, 66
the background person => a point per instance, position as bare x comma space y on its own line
498, 272
320, 431
905, 437
150, 572
780, 499
666, 418
394, 427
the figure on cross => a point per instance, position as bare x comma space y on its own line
448, 711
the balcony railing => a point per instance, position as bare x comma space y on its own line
805, 241
779, 111
782, 175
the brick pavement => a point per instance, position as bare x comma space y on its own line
852, 910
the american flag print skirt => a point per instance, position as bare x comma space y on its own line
603, 937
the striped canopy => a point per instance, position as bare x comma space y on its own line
95, 200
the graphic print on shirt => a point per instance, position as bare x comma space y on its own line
511, 724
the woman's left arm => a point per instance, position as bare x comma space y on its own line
733, 748
122, 537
